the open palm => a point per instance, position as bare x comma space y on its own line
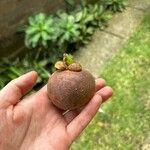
33, 122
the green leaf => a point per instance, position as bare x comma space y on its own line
79, 16
89, 18
31, 21
101, 9
49, 21
11, 75
43, 62
71, 19
40, 17
15, 70
31, 30
45, 36
90, 30
36, 38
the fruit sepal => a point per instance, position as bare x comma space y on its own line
68, 64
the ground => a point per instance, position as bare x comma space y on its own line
125, 125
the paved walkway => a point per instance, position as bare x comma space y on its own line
106, 43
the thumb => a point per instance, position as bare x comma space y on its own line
15, 89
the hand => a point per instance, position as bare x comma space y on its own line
34, 123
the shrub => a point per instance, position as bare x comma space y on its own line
39, 31
114, 5
12, 69
67, 30
56, 35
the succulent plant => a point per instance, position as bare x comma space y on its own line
67, 29
40, 31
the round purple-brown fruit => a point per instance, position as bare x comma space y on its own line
70, 89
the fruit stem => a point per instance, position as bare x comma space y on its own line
68, 59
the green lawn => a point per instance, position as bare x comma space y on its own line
126, 124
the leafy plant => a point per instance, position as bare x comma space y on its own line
40, 31
83, 3
67, 29
57, 35
13, 69
114, 5
84, 19
97, 11
106, 15
89, 18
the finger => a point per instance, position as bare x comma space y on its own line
15, 89
43, 89
100, 83
83, 119
70, 115
105, 93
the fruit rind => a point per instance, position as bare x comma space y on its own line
69, 90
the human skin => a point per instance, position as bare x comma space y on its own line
34, 123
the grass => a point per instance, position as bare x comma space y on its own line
126, 123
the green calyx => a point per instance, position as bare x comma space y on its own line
68, 58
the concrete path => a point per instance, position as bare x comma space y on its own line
105, 44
